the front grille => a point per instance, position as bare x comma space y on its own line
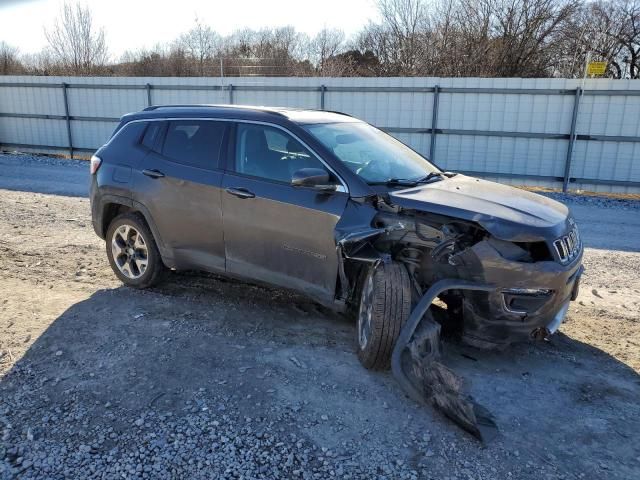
568, 247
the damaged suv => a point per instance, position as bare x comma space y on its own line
328, 205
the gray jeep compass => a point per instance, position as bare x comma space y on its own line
330, 206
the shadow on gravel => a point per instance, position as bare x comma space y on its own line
156, 347
200, 343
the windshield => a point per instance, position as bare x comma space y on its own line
370, 153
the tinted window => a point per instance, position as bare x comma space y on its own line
270, 153
150, 137
194, 143
129, 134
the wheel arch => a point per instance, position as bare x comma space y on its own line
111, 206
111, 210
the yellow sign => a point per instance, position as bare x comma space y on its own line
596, 68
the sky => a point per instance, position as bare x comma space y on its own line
134, 24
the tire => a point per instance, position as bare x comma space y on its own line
136, 261
385, 299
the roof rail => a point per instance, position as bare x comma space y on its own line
337, 113
311, 110
197, 105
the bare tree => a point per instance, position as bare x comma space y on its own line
266, 52
10, 63
485, 38
629, 37
201, 43
378, 41
615, 36
76, 44
607, 30
525, 33
40, 63
325, 45
405, 21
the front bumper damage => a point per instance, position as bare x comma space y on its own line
528, 299
496, 291
424, 378
489, 320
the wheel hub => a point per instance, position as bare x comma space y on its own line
130, 252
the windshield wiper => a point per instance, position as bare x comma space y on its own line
391, 182
412, 182
431, 175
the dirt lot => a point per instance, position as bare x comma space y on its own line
209, 378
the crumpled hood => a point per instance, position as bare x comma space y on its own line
507, 213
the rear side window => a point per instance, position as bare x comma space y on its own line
151, 134
129, 134
196, 143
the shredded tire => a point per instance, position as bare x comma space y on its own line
390, 309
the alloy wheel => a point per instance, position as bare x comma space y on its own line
130, 252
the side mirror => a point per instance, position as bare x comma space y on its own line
312, 177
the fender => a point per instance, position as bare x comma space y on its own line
98, 210
166, 253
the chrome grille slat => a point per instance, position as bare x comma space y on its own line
568, 246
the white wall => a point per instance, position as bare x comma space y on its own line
542, 113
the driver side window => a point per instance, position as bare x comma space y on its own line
270, 153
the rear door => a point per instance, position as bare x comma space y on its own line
275, 232
179, 183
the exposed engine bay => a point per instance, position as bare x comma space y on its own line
474, 277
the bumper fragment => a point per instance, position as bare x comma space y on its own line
415, 365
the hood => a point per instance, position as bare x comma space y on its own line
507, 213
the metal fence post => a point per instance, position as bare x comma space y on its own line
572, 140
434, 122
148, 87
67, 118
323, 88
230, 94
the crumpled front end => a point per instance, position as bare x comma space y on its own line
490, 279
533, 282
530, 299
494, 293
534, 267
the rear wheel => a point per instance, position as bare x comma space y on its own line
385, 305
132, 251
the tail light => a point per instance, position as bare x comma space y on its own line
95, 164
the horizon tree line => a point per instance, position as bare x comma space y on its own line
445, 38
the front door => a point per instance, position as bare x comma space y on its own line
275, 232
179, 183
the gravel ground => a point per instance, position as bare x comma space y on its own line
26, 159
210, 378
597, 201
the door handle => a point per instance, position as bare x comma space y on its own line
240, 192
153, 173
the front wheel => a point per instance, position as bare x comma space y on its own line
132, 251
385, 305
